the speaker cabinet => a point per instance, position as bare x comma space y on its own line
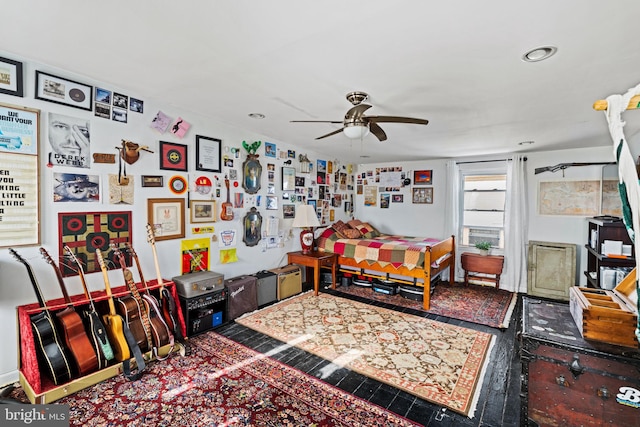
289, 281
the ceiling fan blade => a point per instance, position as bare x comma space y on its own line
316, 121
356, 111
331, 133
396, 119
377, 131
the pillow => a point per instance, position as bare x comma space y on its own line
352, 233
345, 232
368, 232
354, 223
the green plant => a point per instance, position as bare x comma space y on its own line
483, 246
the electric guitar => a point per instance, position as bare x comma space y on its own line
97, 331
227, 207
75, 337
48, 345
112, 321
169, 311
132, 308
160, 330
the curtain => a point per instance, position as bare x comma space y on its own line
452, 214
516, 232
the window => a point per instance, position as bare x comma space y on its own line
483, 202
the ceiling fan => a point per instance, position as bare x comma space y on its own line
356, 125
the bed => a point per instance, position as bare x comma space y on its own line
392, 257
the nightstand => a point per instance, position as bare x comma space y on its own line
482, 267
316, 260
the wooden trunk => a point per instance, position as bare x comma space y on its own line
609, 316
568, 381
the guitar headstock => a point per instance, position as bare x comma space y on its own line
17, 256
151, 236
69, 253
100, 260
46, 256
129, 248
117, 254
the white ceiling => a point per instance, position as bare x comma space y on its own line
456, 63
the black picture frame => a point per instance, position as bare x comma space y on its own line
251, 174
63, 91
152, 181
208, 157
173, 156
15, 75
252, 226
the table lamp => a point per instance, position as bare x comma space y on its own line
306, 219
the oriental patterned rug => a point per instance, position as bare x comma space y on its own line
221, 383
435, 361
476, 304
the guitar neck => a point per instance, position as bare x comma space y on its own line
155, 260
56, 269
134, 255
87, 294
107, 287
32, 278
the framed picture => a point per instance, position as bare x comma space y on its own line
152, 181
252, 227
166, 216
272, 203
422, 177
63, 91
11, 77
252, 174
173, 156
288, 211
423, 195
269, 149
288, 178
203, 210
208, 154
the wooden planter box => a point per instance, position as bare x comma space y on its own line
606, 315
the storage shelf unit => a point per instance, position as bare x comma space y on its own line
601, 229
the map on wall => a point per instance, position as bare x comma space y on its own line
578, 198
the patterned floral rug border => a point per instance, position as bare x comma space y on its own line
474, 303
435, 361
225, 383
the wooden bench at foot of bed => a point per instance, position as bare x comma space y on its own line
443, 252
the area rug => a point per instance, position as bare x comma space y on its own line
435, 361
221, 383
477, 304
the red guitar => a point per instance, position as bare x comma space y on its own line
75, 336
227, 207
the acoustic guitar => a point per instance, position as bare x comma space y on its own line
167, 302
75, 336
97, 331
227, 207
132, 307
112, 320
49, 348
161, 333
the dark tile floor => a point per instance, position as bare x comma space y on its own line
498, 405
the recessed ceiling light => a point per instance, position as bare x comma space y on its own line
526, 142
256, 115
364, 157
539, 53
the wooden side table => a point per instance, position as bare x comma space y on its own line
316, 260
475, 266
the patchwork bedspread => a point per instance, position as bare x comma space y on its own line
385, 249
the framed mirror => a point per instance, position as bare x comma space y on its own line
252, 173
252, 227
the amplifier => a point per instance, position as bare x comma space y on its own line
199, 283
206, 311
267, 287
289, 281
243, 295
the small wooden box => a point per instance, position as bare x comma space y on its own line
608, 316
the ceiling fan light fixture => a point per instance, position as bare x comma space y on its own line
356, 130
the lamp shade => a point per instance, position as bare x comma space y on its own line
305, 217
355, 130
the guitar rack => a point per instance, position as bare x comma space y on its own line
39, 389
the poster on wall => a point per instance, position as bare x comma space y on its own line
19, 177
195, 255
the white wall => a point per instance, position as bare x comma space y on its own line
15, 287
